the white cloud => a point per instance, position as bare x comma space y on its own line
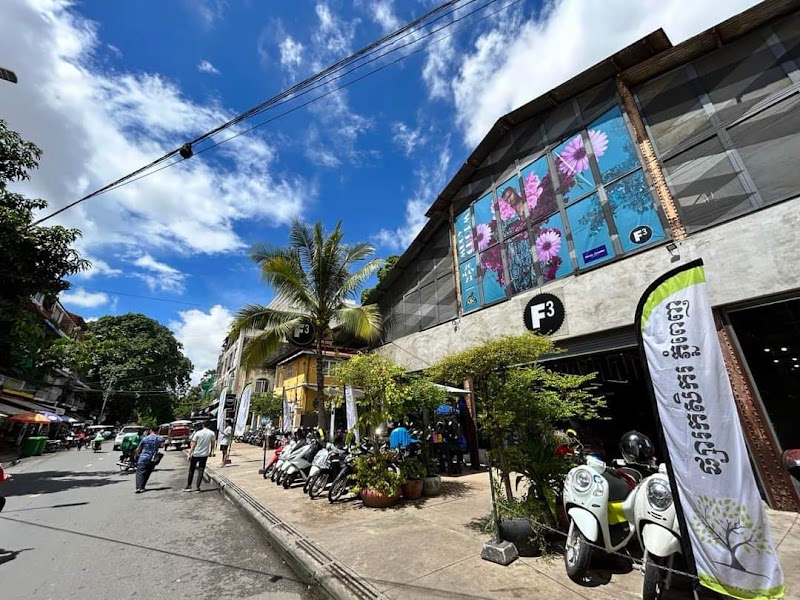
202, 334
383, 14
160, 276
291, 53
210, 11
206, 67
436, 70
96, 125
99, 267
503, 71
80, 297
429, 181
408, 139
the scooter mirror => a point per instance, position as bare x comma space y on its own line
791, 462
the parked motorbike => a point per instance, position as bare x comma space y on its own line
296, 449
269, 468
325, 467
97, 445
594, 495
791, 462
343, 480
299, 465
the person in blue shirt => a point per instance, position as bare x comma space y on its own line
146, 457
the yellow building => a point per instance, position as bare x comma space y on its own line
296, 381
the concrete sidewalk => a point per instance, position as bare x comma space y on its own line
430, 548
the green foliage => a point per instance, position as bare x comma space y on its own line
725, 523
375, 472
197, 396
267, 404
411, 468
129, 352
318, 277
35, 259
388, 265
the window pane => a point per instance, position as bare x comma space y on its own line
539, 194
411, 305
769, 145
468, 275
464, 244
492, 278
705, 186
739, 75
427, 306
612, 145
635, 212
446, 297
672, 110
788, 31
485, 222
511, 206
590, 232
550, 248
572, 161
520, 263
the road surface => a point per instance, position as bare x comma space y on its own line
73, 528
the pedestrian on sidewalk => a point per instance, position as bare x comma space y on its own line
147, 457
225, 440
200, 447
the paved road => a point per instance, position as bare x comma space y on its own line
73, 528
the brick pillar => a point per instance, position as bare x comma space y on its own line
764, 449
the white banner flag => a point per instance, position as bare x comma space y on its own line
721, 506
221, 409
244, 410
287, 415
352, 411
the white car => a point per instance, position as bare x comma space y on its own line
122, 433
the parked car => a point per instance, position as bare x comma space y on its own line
122, 433
177, 433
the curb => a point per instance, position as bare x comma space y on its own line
313, 563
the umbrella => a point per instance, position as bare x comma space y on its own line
50, 416
29, 417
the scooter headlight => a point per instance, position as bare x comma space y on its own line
582, 480
659, 495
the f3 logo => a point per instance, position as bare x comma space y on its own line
544, 314
641, 234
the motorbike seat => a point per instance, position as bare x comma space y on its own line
618, 488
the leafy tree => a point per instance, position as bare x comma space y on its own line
197, 396
267, 404
136, 361
388, 265
521, 400
35, 259
314, 275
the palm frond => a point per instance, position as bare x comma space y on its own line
264, 346
286, 276
258, 317
303, 240
358, 252
355, 281
363, 322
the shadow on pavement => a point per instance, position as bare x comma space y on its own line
69, 505
9, 555
49, 482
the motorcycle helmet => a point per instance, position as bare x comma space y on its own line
636, 447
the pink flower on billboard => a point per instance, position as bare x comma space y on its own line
533, 189
575, 159
484, 234
548, 244
507, 211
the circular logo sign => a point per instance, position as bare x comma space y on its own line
544, 314
641, 234
303, 334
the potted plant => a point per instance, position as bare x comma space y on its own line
413, 473
376, 481
433, 481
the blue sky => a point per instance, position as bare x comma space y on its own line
105, 87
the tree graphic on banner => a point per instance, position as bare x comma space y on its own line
724, 523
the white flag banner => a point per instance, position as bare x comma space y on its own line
221, 409
287, 415
722, 509
244, 410
350, 407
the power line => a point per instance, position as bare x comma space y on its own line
186, 150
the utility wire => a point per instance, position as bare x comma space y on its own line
282, 98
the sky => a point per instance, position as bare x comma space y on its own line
106, 87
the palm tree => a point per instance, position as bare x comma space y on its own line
313, 277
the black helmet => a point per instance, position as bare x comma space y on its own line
636, 447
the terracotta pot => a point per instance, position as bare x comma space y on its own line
377, 499
412, 489
432, 485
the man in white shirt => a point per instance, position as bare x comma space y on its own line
202, 442
225, 440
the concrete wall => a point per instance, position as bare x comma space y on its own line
753, 256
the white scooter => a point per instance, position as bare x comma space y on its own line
656, 524
298, 464
277, 473
320, 459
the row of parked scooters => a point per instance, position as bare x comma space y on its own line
254, 437
320, 466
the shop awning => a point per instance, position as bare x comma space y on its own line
607, 341
9, 411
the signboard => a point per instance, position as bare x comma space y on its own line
717, 498
303, 334
221, 409
244, 410
641, 235
595, 254
544, 314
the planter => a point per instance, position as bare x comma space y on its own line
412, 489
377, 499
432, 485
519, 532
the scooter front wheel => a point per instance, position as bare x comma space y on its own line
318, 485
654, 579
288, 480
338, 489
577, 554
268, 471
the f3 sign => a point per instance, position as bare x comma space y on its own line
544, 314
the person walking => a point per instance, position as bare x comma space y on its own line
147, 458
200, 447
225, 440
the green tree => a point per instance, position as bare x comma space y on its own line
35, 259
267, 404
135, 360
318, 276
197, 396
521, 400
388, 265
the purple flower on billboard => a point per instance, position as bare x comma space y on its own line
575, 158
533, 189
484, 235
548, 244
